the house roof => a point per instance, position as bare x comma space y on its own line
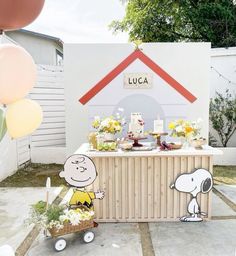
137, 54
56, 39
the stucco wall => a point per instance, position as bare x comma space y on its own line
224, 61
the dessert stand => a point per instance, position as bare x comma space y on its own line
136, 141
158, 135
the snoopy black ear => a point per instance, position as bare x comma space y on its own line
206, 185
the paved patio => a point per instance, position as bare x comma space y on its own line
229, 191
14, 209
216, 237
213, 238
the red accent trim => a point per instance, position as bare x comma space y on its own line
166, 77
108, 78
137, 54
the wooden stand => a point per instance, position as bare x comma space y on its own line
158, 135
137, 183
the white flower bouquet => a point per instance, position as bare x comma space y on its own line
56, 216
112, 124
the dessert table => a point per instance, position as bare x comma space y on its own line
137, 183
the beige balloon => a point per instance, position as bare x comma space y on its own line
17, 73
23, 117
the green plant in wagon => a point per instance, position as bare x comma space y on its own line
55, 216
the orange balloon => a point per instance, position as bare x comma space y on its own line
17, 73
15, 14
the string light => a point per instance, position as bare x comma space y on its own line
223, 76
51, 70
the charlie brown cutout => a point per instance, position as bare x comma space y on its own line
80, 172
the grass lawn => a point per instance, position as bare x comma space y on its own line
224, 174
35, 175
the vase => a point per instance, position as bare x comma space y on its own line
108, 136
185, 143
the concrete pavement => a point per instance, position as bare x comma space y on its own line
212, 238
220, 208
14, 209
119, 239
229, 191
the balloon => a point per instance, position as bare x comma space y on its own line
23, 117
17, 73
15, 14
3, 127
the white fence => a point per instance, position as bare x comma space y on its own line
48, 142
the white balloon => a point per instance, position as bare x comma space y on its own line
6, 250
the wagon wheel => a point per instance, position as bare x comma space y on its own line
88, 236
60, 244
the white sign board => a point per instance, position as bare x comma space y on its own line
138, 80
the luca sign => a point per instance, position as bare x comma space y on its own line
138, 80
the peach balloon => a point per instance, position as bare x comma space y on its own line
23, 117
17, 73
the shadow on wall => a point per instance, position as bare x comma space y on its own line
146, 105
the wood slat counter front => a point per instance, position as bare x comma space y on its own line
136, 184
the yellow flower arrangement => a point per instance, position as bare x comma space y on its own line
108, 124
183, 128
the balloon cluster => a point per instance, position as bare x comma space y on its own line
17, 72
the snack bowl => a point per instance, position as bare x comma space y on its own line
126, 145
176, 145
198, 143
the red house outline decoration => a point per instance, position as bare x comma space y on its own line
137, 54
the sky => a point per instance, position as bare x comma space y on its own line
80, 21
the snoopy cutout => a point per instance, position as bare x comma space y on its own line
80, 172
199, 181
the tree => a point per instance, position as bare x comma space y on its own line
223, 115
180, 20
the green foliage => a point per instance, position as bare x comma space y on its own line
180, 20
42, 216
223, 115
54, 212
39, 207
212, 141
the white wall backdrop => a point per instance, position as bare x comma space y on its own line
87, 64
